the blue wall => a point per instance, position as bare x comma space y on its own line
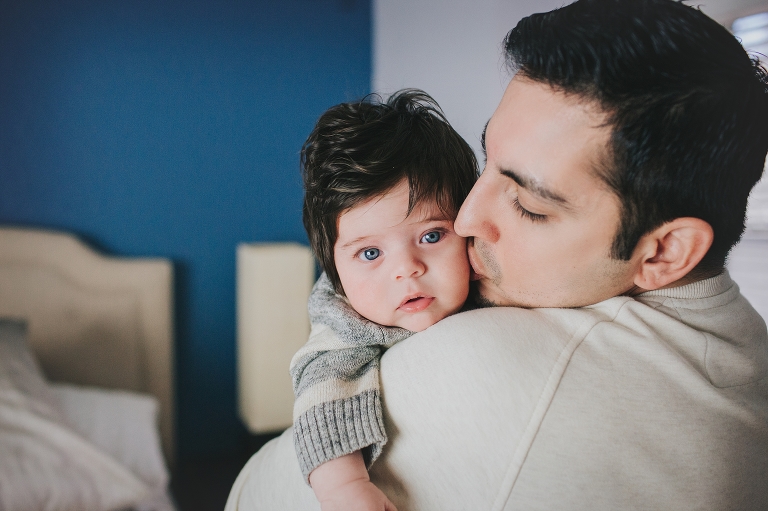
173, 128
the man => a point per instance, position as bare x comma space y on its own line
629, 373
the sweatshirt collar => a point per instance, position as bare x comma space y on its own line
700, 289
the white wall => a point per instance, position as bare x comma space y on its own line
451, 49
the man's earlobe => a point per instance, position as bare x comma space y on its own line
670, 252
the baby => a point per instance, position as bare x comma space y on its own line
383, 184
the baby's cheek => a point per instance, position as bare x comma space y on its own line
461, 297
374, 311
462, 274
363, 302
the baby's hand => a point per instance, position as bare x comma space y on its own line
342, 484
357, 496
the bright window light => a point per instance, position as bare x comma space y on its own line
753, 22
753, 33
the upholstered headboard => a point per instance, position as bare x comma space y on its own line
92, 319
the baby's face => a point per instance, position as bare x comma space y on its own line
401, 271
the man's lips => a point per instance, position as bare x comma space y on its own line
416, 303
474, 265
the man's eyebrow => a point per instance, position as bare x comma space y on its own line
536, 188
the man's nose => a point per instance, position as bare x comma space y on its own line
475, 218
409, 266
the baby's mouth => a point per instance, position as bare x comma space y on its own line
416, 303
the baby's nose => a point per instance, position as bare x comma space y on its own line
410, 267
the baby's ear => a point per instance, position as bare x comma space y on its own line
671, 251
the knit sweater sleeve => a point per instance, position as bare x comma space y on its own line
337, 408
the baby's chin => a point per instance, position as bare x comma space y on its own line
419, 324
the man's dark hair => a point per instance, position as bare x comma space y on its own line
363, 149
687, 106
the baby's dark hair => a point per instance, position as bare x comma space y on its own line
363, 149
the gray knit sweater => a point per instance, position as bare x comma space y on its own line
337, 409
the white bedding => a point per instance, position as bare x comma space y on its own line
123, 425
66, 448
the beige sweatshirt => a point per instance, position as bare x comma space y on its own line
653, 402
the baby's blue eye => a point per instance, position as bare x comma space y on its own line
371, 253
431, 237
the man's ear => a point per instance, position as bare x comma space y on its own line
669, 253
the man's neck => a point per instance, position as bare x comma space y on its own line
696, 275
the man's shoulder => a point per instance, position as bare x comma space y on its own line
479, 381
505, 324
526, 339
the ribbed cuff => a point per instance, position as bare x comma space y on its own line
331, 430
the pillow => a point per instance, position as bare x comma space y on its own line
20, 376
45, 465
122, 424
